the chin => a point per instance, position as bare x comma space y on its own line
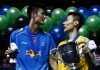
41, 23
66, 30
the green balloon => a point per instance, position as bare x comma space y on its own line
99, 14
12, 14
3, 22
24, 11
71, 9
48, 24
99, 17
57, 15
83, 31
93, 23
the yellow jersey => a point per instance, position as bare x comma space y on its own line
83, 64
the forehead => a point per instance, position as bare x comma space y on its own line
41, 10
70, 17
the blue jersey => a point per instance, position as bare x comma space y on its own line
14, 33
33, 49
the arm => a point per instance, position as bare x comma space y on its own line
12, 40
96, 56
53, 63
92, 46
11, 52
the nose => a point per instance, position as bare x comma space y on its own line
64, 25
64, 22
45, 16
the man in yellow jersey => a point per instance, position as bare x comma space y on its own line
72, 24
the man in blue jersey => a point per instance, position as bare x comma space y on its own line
32, 43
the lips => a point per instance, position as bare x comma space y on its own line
64, 26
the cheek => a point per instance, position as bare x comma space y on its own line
71, 26
37, 19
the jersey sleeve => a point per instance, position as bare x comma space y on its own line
62, 43
12, 37
52, 43
13, 42
82, 39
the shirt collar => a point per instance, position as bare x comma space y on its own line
76, 37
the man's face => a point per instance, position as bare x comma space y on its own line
69, 24
40, 16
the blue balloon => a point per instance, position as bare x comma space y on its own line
94, 10
21, 21
83, 11
4, 10
58, 34
63, 19
0, 12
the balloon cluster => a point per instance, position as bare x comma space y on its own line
91, 18
9, 16
12, 18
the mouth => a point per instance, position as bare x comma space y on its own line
43, 20
64, 27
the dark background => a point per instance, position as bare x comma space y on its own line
53, 3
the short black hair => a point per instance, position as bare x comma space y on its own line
35, 6
78, 17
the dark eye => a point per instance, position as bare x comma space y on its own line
43, 13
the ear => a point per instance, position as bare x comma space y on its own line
76, 23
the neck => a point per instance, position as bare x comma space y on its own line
33, 26
72, 34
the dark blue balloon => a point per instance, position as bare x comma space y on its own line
4, 10
83, 11
48, 11
58, 34
0, 12
94, 10
21, 21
